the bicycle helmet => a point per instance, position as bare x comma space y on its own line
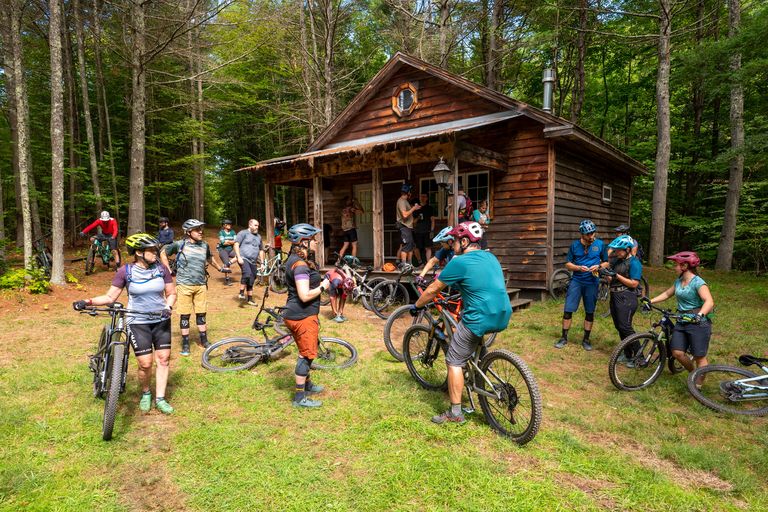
104, 216
226, 221
279, 223
141, 241
406, 269
163, 219
587, 226
352, 261
302, 231
471, 230
622, 242
191, 224
348, 284
622, 229
406, 188
689, 257
443, 235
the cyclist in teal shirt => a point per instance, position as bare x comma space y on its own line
226, 245
478, 276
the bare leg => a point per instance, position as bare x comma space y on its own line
162, 358
684, 360
354, 249
344, 250
145, 371
455, 383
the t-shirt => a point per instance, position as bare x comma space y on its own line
146, 291
348, 218
688, 296
226, 236
481, 218
629, 267
424, 222
165, 236
579, 255
444, 255
250, 245
190, 261
404, 205
296, 269
479, 278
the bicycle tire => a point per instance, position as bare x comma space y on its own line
387, 296
90, 261
674, 365
425, 358
558, 283
334, 354
395, 328
234, 354
113, 385
98, 385
713, 387
649, 362
277, 280
602, 307
510, 376
365, 296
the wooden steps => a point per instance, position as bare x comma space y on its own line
516, 301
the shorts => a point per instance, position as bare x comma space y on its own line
463, 345
350, 235
145, 337
578, 291
191, 299
406, 237
249, 273
691, 337
305, 333
337, 288
422, 240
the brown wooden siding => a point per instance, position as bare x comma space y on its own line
578, 193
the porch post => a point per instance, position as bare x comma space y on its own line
269, 211
455, 181
550, 209
377, 213
317, 201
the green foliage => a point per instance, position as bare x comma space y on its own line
33, 280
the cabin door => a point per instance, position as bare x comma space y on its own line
364, 195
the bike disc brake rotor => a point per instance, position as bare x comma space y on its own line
508, 395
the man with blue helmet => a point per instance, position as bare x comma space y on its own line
624, 271
444, 254
584, 258
405, 223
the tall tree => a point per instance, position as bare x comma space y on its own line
138, 115
57, 142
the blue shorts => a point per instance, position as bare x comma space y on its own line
578, 291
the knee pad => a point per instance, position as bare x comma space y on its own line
302, 366
589, 317
567, 316
184, 321
200, 318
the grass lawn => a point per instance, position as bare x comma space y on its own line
235, 442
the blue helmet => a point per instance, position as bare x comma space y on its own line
303, 231
587, 226
406, 188
443, 235
622, 242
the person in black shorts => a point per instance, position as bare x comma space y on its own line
422, 231
348, 226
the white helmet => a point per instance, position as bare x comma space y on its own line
104, 216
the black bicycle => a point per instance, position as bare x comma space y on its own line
506, 388
43, 257
638, 361
730, 389
110, 362
388, 295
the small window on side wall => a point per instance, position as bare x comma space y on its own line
607, 194
405, 99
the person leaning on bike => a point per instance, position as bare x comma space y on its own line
302, 308
694, 300
477, 275
584, 258
150, 289
226, 245
624, 271
193, 255
443, 255
109, 229
249, 250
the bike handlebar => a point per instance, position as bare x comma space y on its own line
118, 308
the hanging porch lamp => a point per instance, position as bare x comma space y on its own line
442, 174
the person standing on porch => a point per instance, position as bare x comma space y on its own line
405, 222
422, 232
348, 226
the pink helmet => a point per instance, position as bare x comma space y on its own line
471, 230
689, 257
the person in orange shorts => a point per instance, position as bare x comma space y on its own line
305, 285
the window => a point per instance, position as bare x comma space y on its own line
405, 99
607, 193
476, 187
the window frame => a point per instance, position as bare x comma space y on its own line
607, 198
396, 96
442, 193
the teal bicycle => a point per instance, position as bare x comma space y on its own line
100, 249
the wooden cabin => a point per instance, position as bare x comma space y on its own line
540, 174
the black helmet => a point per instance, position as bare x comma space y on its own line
163, 219
141, 241
226, 221
191, 224
622, 229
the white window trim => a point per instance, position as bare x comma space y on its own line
609, 198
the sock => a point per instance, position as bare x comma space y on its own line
185, 339
300, 393
160, 399
586, 335
456, 409
147, 393
204, 337
565, 334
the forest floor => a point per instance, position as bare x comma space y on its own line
235, 442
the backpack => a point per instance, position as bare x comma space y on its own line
468, 209
640, 251
129, 271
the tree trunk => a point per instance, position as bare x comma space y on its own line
57, 144
86, 103
100, 91
728, 234
581, 56
331, 19
663, 144
73, 160
445, 17
138, 118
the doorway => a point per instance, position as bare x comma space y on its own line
364, 195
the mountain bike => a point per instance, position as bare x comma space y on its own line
363, 284
241, 353
645, 354
274, 270
388, 295
110, 362
100, 249
731, 389
43, 257
506, 388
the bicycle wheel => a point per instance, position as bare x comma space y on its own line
366, 295
394, 330
234, 354
516, 411
277, 280
558, 283
602, 307
722, 392
674, 365
334, 353
112, 385
643, 368
96, 364
90, 260
387, 296
425, 358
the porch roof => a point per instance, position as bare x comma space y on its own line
368, 143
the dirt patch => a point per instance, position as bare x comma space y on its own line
591, 487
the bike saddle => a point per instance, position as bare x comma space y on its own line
748, 360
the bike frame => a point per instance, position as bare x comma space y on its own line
117, 327
268, 266
101, 246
